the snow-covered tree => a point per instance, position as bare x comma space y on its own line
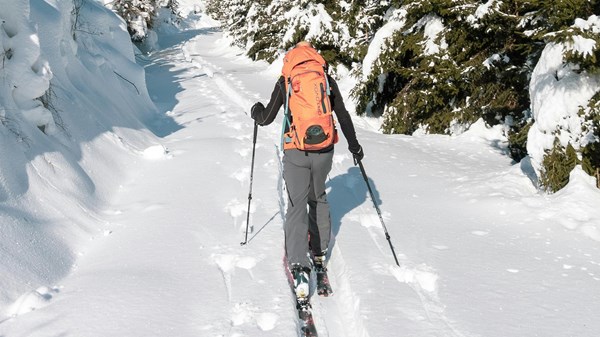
568, 67
266, 29
139, 15
447, 64
437, 66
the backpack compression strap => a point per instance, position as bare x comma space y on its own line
286, 115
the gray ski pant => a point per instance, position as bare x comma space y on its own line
305, 174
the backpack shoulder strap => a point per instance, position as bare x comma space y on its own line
286, 116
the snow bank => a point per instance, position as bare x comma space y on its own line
25, 74
73, 113
574, 214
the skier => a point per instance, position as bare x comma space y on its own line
305, 170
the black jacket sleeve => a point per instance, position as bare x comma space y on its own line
343, 116
266, 115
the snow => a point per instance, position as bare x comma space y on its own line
127, 220
558, 91
433, 26
396, 20
313, 18
481, 11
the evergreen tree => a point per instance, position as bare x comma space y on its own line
558, 164
590, 151
249, 24
139, 16
266, 29
568, 25
474, 67
446, 64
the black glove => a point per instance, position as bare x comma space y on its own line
358, 154
256, 110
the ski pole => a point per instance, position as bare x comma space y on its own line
387, 235
251, 178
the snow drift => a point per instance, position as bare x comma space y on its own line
73, 108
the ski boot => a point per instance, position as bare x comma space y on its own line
319, 263
301, 277
323, 285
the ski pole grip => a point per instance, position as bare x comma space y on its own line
255, 132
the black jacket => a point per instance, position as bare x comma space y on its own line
265, 115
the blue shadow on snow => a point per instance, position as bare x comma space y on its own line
348, 191
164, 83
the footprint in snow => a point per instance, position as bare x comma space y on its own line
243, 152
245, 313
422, 276
369, 220
32, 300
267, 321
156, 152
242, 175
227, 264
591, 231
241, 314
237, 209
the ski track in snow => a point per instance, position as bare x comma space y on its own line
242, 312
236, 269
422, 279
233, 88
348, 313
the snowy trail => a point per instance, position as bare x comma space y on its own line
335, 316
230, 86
170, 262
339, 315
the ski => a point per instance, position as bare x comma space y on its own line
307, 323
323, 285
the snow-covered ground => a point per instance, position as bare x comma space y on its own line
481, 251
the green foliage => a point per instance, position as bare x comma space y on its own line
590, 153
446, 64
478, 71
517, 141
558, 15
587, 61
557, 166
265, 29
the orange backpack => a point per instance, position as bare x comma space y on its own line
311, 126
